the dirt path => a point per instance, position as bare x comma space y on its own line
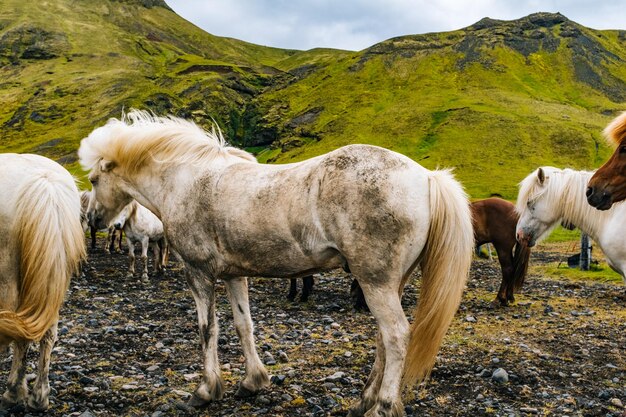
127, 348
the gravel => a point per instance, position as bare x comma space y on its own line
130, 348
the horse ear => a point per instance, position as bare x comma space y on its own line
541, 175
106, 166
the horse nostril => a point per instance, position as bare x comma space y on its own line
589, 191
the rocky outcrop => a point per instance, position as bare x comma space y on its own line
32, 42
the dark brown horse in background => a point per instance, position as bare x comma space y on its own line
608, 184
494, 221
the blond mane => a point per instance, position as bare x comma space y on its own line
140, 138
615, 132
565, 189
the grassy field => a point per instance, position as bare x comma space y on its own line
567, 243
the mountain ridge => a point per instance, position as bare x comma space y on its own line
496, 98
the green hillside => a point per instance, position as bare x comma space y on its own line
494, 100
67, 66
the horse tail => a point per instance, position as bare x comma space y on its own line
51, 244
445, 267
521, 257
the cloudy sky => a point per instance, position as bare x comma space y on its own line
357, 24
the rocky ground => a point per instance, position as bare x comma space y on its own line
129, 348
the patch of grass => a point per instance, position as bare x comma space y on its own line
561, 234
600, 272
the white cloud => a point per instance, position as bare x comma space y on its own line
357, 24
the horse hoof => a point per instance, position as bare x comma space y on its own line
35, 405
243, 392
144, 279
356, 412
197, 402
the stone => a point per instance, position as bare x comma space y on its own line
336, 376
282, 356
500, 376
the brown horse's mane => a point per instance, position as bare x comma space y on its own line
615, 132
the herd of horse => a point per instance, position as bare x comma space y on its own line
371, 211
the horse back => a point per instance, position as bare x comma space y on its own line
494, 219
305, 216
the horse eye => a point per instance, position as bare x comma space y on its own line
622, 150
93, 181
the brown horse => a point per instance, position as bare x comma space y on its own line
608, 185
494, 221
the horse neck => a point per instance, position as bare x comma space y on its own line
156, 190
573, 204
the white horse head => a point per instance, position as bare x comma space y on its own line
143, 144
550, 196
536, 202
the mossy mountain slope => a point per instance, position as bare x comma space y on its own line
495, 100
66, 66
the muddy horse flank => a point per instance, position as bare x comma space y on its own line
228, 217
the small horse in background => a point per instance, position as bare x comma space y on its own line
89, 221
551, 196
141, 226
494, 221
228, 217
41, 247
608, 185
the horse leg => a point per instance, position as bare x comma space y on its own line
203, 289
357, 296
17, 390
293, 289
156, 252
384, 303
164, 250
111, 240
145, 244
131, 258
107, 244
166, 253
307, 286
505, 257
119, 242
92, 233
256, 377
38, 400
372, 386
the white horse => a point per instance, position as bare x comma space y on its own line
41, 246
89, 219
550, 196
374, 211
141, 226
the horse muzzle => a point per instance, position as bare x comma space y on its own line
525, 238
600, 200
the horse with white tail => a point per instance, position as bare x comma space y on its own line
369, 209
551, 196
41, 247
141, 226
